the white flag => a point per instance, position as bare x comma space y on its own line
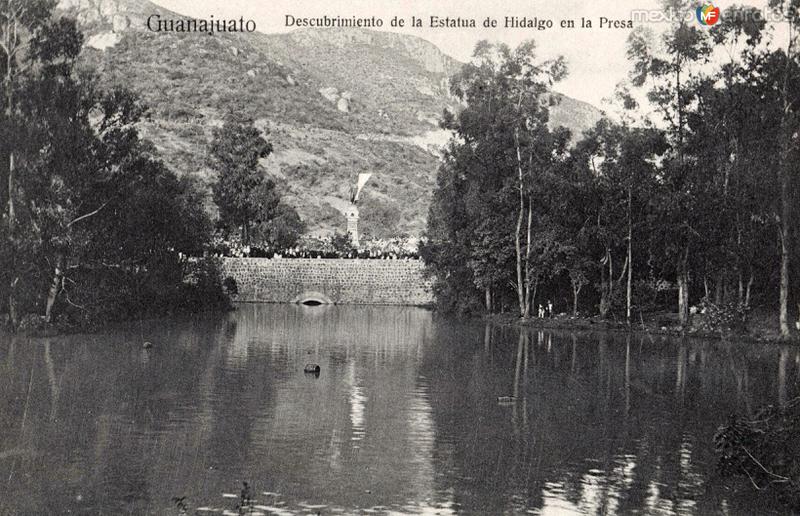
362, 180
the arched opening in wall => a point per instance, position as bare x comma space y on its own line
312, 298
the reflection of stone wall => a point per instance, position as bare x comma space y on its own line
371, 282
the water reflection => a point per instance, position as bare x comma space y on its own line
404, 417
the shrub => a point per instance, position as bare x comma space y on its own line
724, 317
342, 243
765, 450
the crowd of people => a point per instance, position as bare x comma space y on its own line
396, 249
365, 254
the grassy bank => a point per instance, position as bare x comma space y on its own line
762, 326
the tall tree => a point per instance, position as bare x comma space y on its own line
506, 141
666, 65
733, 141
21, 23
91, 215
242, 192
787, 62
621, 163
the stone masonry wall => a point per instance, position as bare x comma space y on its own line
342, 281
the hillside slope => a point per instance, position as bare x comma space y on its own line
333, 103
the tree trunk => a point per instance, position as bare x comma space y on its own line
11, 212
747, 292
785, 244
680, 106
517, 236
718, 288
55, 288
741, 287
518, 249
10, 48
610, 281
576, 290
488, 300
11, 226
606, 285
630, 260
527, 312
683, 289
784, 288
13, 314
787, 132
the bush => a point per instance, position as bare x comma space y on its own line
208, 291
230, 287
101, 295
725, 317
342, 243
765, 450
282, 231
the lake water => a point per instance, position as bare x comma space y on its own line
404, 417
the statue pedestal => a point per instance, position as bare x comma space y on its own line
352, 223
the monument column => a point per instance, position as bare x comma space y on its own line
352, 223
352, 210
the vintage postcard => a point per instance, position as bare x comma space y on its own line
273, 257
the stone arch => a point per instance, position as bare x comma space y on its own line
312, 297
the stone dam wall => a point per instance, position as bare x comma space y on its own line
322, 280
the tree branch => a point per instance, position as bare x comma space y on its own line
90, 214
780, 478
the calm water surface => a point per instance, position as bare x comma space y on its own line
404, 417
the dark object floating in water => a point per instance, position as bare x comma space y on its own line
147, 345
506, 399
311, 368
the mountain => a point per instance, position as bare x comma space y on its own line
333, 103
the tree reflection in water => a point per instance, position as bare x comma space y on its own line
404, 416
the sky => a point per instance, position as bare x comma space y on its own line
596, 57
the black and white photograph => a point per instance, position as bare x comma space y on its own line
422, 257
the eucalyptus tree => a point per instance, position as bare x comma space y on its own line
747, 129
23, 24
668, 64
91, 215
621, 163
733, 137
94, 199
507, 95
785, 63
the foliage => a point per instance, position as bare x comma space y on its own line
249, 202
700, 200
100, 227
242, 192
282, 231
342, 243
727, 317
379, 218
765, 451
492, 175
